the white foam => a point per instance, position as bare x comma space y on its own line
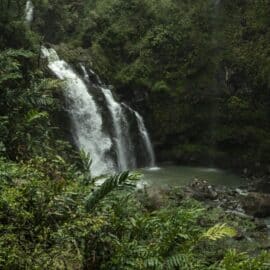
153, 169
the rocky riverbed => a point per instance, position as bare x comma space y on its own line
246, 206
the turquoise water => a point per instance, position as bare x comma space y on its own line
181, 175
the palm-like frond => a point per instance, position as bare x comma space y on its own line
109, 185
219, 231
153, 263
86, 160
35, 115
179, 261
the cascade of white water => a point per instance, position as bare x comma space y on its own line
29, 11
86, 75
98, 79
85, 116
125, 155
144, 136
146, 139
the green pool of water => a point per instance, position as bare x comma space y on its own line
181, 175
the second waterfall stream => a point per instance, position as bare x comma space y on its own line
111, 147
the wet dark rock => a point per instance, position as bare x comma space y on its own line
233, 202
260, 185
239, 236
239, 202
153, 198
260, 225
257, 204
200, 190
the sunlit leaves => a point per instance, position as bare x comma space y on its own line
219, 231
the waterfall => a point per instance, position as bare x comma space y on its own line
29, 11
125, 155
144, 136
85, 74
94, 77
146, 139
85, 116
125, 150
89, 131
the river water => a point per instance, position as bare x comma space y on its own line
181, 175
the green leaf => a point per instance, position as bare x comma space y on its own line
219, 231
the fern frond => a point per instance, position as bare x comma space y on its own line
86, 160
18, 53
86, 166
219, 231
41, 101
153, 263
179, 261
35, 115
109, 185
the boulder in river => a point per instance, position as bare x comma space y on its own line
260, 185
256, 204
201, 190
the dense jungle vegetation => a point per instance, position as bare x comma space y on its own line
200, 72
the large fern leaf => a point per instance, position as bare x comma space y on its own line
34, 115
219, 231
178, 261
109, 185
153, 263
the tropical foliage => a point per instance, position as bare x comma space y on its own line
53, 213
51, 219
